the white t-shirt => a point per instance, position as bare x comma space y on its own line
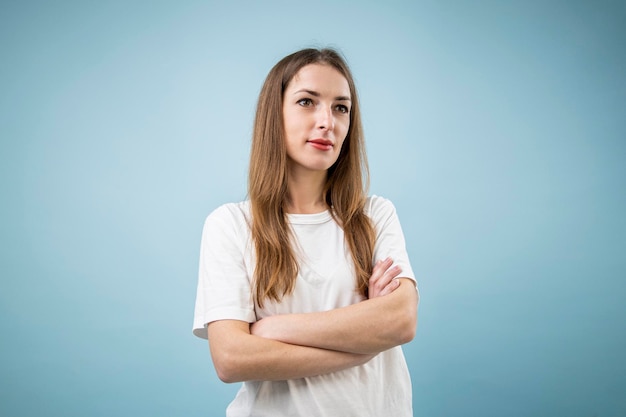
326, 280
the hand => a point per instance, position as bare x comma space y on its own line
260, 328
382, 281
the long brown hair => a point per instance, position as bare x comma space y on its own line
345, 191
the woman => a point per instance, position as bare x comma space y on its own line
305, 291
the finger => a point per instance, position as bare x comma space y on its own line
392, 272
378, 285
379, 270
388, 276
391, 287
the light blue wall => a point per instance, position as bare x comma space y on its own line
498, 129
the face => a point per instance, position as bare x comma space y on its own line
316, 116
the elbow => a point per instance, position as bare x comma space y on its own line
225, 376
408, 329
401, 329
227, 340
226, 368
408, 324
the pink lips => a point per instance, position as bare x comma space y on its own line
321, 144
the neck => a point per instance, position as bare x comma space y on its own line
306, 192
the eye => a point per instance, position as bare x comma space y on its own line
342, 108
305, 102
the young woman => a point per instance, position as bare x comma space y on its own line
305, 290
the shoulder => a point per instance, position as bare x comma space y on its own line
231, 211
229, 217
377, 207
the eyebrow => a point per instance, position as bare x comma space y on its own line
316, 94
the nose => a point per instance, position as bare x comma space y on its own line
325, 118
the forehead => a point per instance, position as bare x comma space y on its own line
320, 78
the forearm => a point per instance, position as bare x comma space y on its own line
240, 356
368, 327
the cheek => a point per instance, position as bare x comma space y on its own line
343, 132
292, 123
342, 142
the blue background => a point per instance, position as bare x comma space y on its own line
497, 128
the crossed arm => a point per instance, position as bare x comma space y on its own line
301, 345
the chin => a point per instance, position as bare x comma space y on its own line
320, 165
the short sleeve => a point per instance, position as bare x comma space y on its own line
224, 285
389, 236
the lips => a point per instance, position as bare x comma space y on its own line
321, 144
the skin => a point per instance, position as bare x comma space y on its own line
369, 327
316, 108
316, 119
